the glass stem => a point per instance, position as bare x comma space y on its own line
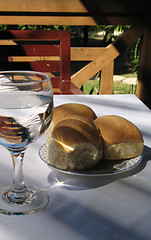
18, 177
18, 193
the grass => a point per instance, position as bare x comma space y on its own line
121, 88
92, 87
91, 84
129, 75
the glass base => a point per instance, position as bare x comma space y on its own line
36, 201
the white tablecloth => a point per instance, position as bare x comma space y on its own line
103, 208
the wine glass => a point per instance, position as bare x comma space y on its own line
26, 105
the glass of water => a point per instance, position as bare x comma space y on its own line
26, 105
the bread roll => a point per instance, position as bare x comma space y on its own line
121, 138
66, 110
75, 144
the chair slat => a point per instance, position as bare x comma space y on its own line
38, 50
41, 50
32, 58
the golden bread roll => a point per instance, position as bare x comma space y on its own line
75, 144
121, 138
66, 110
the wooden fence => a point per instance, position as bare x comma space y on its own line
102, 59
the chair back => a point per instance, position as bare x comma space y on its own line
38, 50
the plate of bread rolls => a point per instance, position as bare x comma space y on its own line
79, 143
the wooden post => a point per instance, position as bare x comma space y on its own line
106, 83
144, 76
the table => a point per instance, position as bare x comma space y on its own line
116, 207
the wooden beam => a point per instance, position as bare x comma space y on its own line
42, 6
81, 6
47, 20
76, 53
7, 42
86, 53
72, 12
112, 51
69, 20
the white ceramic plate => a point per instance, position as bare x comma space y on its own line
102, 168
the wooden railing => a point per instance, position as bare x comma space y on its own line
102, 59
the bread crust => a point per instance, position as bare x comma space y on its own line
67, 110
121, 138
75, 144
75, 130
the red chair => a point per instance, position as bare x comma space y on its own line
39, 50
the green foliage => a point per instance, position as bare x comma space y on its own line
3, 27
38, 27
96, 28
109, 30
133, 66
34, 27
134, 58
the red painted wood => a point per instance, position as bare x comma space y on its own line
41, 50
46, 66
65, 55
56, 82
40, 43
37, 34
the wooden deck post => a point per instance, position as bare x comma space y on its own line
106, 83
144, 76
